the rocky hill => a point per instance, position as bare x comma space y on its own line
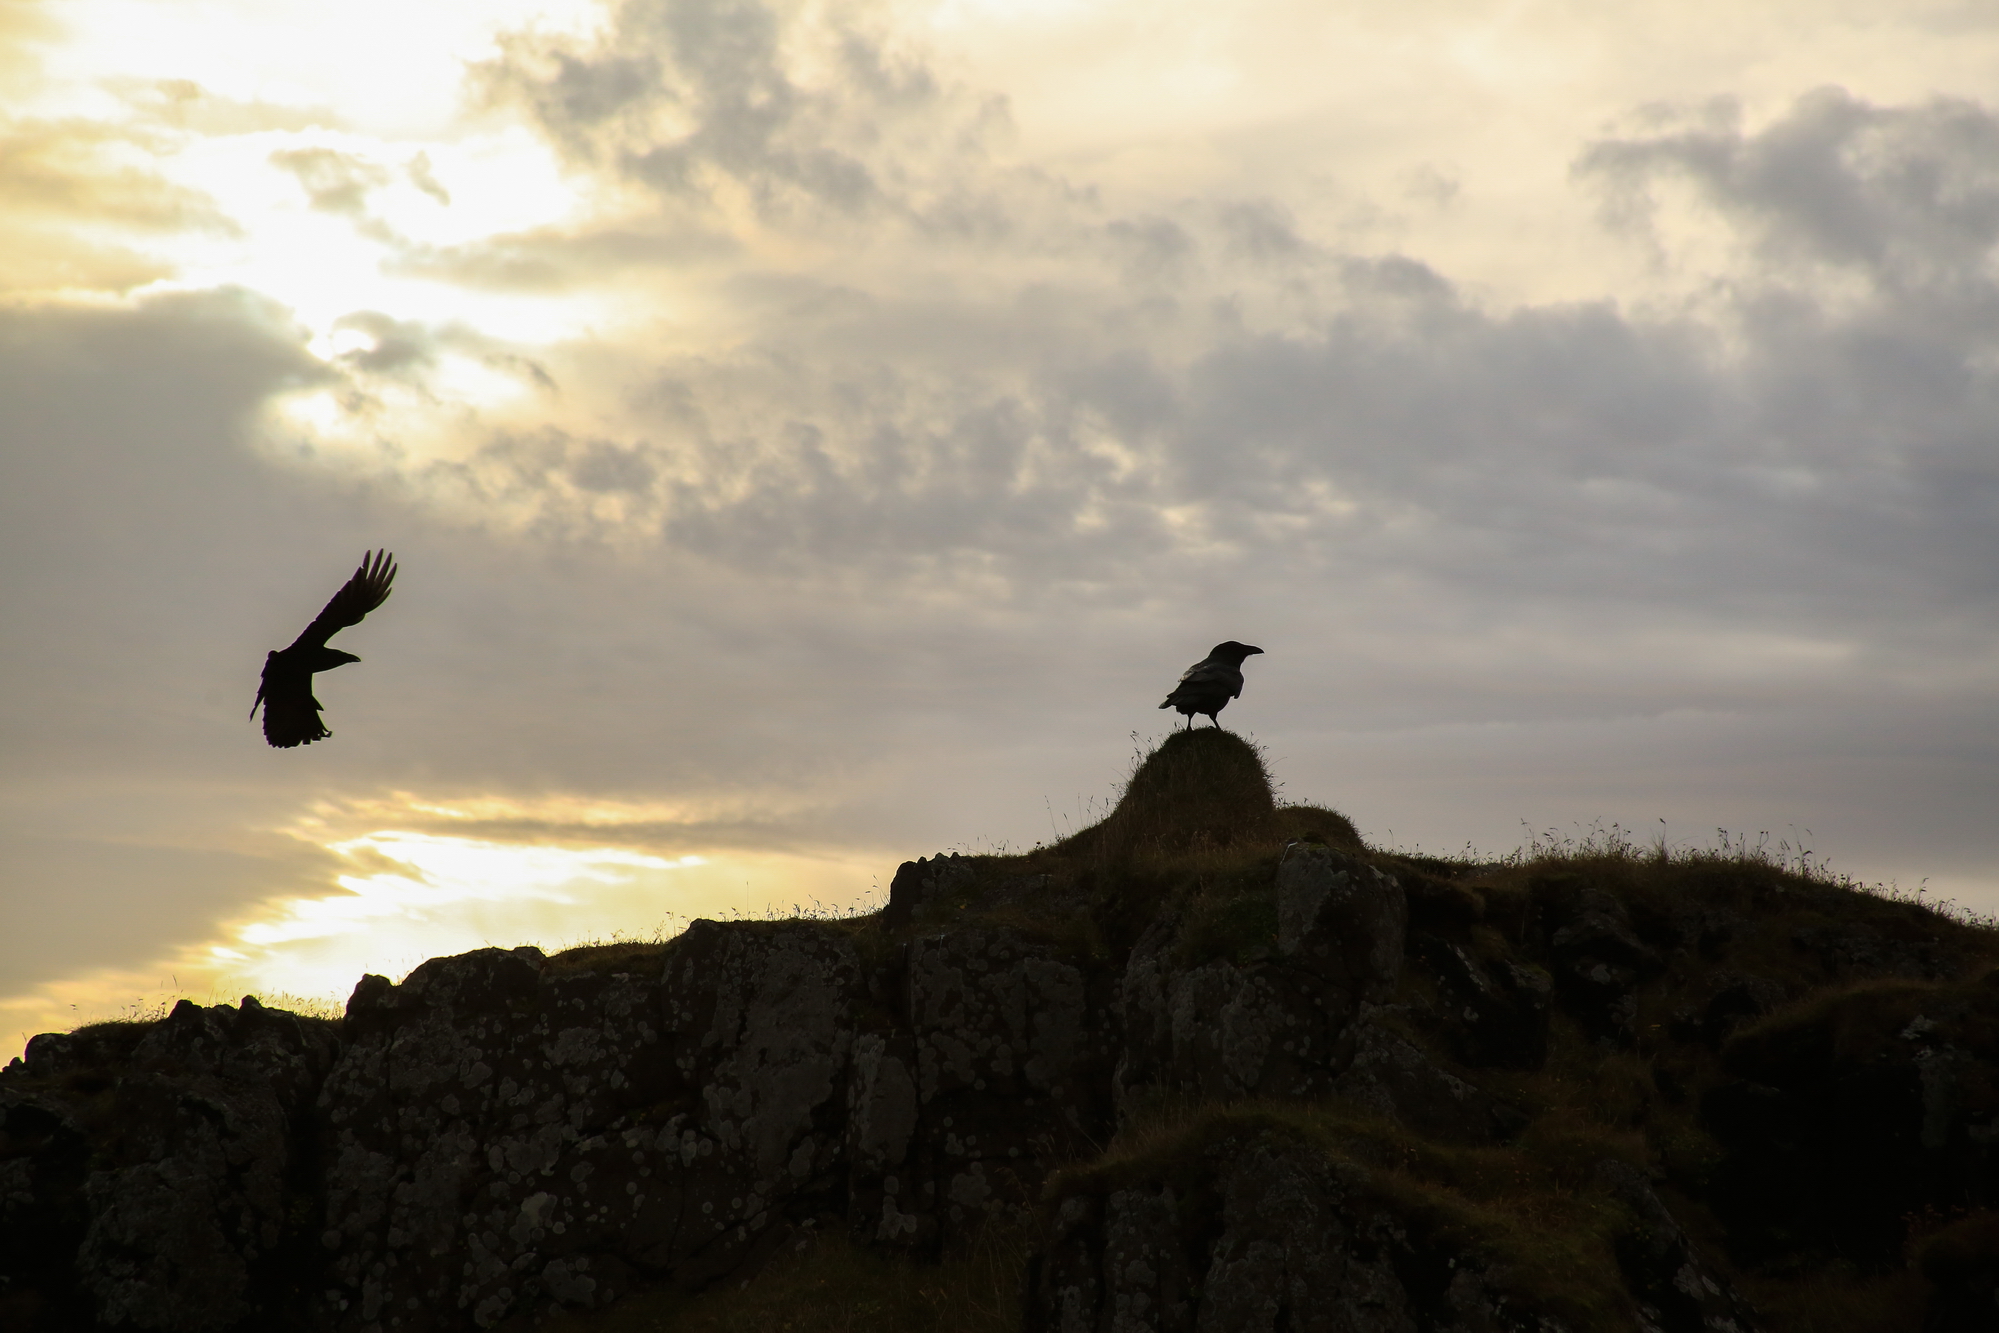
1210, 1065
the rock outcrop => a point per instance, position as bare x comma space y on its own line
502, 1137
1274, 1021
160, 1176
1226, 1068
1257, 1233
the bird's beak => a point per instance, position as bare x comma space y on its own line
1256, 650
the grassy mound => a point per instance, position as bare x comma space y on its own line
1202, 791
1200, 787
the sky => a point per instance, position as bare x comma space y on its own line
815, 435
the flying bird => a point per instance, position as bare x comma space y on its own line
1209, 684
291, 714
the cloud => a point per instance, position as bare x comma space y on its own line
183, 104
343, 184
1202, 389
393, 345
1907, 194
887, 478
335, 182
25, 25
566, 259
1572, 451
123, 442
85, 203
802, 116
420, 175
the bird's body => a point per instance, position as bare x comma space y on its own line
291, 714
1209, 684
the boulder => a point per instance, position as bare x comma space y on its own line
509, 1139
153, 1173
924, 881
1389, 1075
1275, 1024
1596, 956
1677, 1289
1495, 1011
1000, 1072
1255, 1234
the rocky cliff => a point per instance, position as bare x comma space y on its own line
1215, 1064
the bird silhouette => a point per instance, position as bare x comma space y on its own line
291, 714
1209, 684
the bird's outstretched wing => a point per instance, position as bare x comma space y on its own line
368, 589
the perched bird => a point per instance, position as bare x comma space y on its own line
1209, 684
291, 714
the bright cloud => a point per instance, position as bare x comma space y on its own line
399, 897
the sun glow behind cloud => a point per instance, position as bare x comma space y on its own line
401, 896
385, 65
434, 875
304, 154
321, 215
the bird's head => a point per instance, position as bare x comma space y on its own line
1234, 652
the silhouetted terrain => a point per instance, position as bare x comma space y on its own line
1211, 1064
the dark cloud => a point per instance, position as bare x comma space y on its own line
399, 346
687, 97
1839, 472
335, 182
1155, 248
1807, 461
605, 467
341, 183
1908, 194
1202, 387
1262, 230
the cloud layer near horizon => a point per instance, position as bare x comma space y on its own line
875, 475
